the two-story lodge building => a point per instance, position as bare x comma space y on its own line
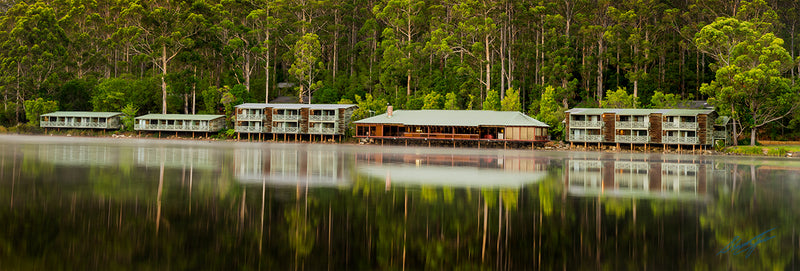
666, 127
293, 119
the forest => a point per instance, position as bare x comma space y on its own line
539, 57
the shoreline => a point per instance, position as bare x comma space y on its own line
350, 141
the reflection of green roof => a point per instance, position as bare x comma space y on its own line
470, 118
630, 111
447, 176
179, 117
82, 114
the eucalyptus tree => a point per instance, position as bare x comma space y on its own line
478, 23
307, 52
403, 19
166, 28
263, 23
749, 78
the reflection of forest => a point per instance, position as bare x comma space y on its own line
284, 166
636, 179
453, 170
95, 216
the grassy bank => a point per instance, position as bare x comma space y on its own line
770, 150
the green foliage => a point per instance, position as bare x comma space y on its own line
367, 107
492, 101
128, 117
307, 53
415, 103
511, 101
35, 108
111, 95
432, 101
669, 100
619, 99
551, 112
451, 101
212, 101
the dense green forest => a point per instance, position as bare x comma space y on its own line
539, 57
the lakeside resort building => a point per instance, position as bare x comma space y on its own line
453, 125
665, 127
80, 120
180, 123
311, 120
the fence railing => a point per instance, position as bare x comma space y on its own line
249, 117
77, 124
586, 138
680, 140
322, 118
631, 125
285, 117
249, 129
679, 125
321, 130
585, 124
285, 130
632, 139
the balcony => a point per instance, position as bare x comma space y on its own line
285, 130
249, 117
586, 138
679, 125
63, 124
322, 118
249, 129
632, 139
680, 140
321, 130
585, 124
720, 134
631, 125
167, 127
286, 117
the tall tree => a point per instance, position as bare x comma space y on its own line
307, 53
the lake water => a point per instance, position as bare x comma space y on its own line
114, 204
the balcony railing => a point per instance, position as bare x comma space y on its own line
631, 165
631, 125
720, 134
249, 117
322, 118
285, 117
167, 127
679, 125
585, 124
678, 168
321, 130
632, 139
680, 140
285, 130
249, 129
586, 138
65, 124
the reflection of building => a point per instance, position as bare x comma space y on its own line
77, 155
290, 167
103, 155
635, 178
452, 170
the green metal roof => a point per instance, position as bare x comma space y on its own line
82, 114
294, 106
179, 117
631, 111
471, 118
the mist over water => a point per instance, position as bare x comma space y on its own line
107, 203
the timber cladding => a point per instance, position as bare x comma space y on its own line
303, 124
702, 128
655, 128
610, 127
566, 131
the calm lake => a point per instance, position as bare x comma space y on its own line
115, 204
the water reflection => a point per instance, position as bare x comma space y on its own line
453, 170
637, 179
139, 204
290, 166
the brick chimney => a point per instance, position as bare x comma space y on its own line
389, 111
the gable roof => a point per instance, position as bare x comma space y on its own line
632, 111
471, 118
83, 114
294, 106
180, 117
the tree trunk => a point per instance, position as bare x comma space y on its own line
753, 136
163, 79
